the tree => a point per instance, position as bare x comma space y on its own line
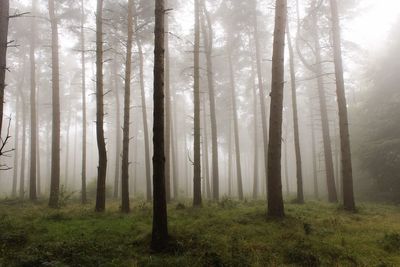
117, 129
299, 174
83, 69
101, 145
196, 91
159, 239
275, 199
347, 172
55, 143
125, 140
4, 17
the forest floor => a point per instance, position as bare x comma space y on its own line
229, 233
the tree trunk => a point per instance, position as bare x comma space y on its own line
347, 172
230, 159
275, 200
235, 124
83, 69
127, 105
16, 136
208, 44
4, 17
117, 131
144, 118
67, 142
55, 144
286, 163
196, 144
23, 156
32, 47
314, 154
101, 145
205, 152
159, 239
255, 113
296, 134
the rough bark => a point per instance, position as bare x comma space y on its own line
347, 172
167, 111
84, 123
208, 45
4, 18
55, 143
101, 145
196, 91
127, 103
159, 239
275, 200
296, 134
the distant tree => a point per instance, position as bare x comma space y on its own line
83, 70
55, 147
275, 199
125, 147
4, 17
159, 240
101, 145
347, 170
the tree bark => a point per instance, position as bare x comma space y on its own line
205, 152
67, 143
4, 18
208, 44
159, 239
117, 131
296, 134
101, 145
196, 144
314, 154
84, 123
255, 114
55, 144
275, 200
347, 171
127, 103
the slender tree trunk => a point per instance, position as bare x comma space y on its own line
117, 131
67, 142
286, 164
144, 118
33, 128
275, 200
296, 134
159, 239
127, 103
255, 112
205, 152
55, 144
101, 145
84, 127
174, 149
75, 156
38, 171
196, 144
16, 144
209, 43
230, 159
4, 17
347, 171
314, 154
235, 124
23, 156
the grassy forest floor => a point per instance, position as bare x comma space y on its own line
229, 233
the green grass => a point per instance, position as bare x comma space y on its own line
226, 234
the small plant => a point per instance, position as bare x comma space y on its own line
391, 242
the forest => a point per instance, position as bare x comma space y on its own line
199, 133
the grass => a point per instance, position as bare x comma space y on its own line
229, 233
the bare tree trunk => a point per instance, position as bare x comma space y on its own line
205, 152
314, 154
275, 200
127, 103
347, 171
160, 238
235, 124
16, 146
101, 145
23, 156
55, 147
144, 118
196, 144
67, 142
38, 171
174, 149
4, 17
230, 159
208, 43
296, 134
117, 131
286, 164
84, 123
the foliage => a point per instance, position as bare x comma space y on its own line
313, 234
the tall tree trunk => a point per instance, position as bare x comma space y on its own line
275, 200
38, 171
159, 240
101, 145
347, 172
167, 112
144, 118
235, 123
208, 44
255, 114
174, 149
205, 152
33, 135
23, 156
4, 17
314, 154
67, 142
230, 159
261, 91
196, 89
127, 104
117, 131
55, 143
296, 134
83, 69
285, 147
